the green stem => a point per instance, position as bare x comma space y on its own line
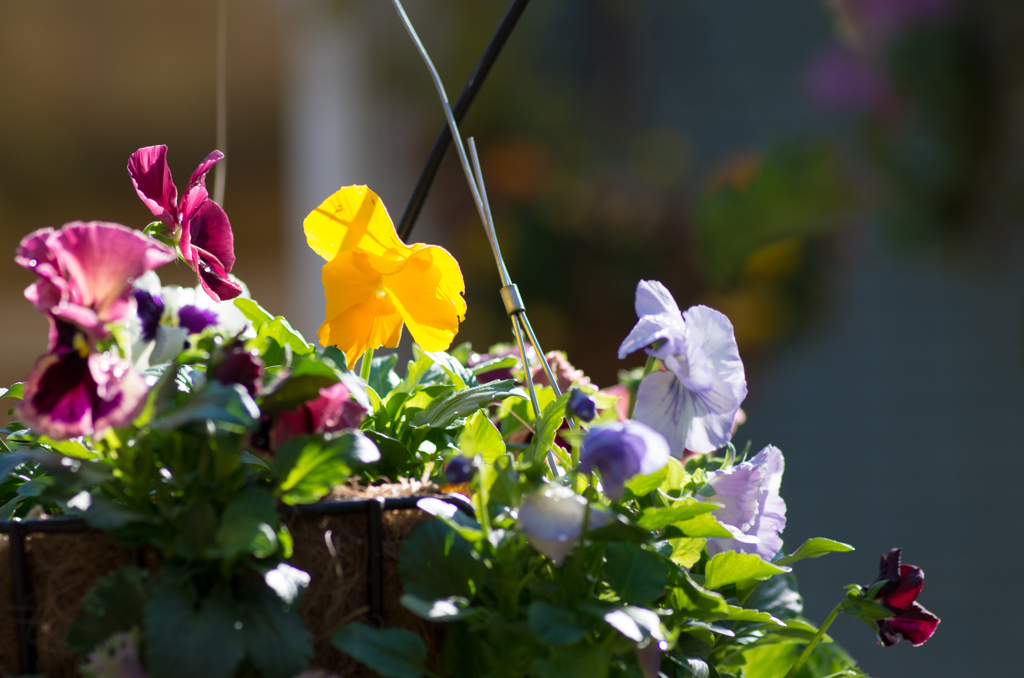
366, 364
648, 368
814, 641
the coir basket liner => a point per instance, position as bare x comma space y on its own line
334, 543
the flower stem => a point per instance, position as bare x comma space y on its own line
814, 641
648, 368
366, 364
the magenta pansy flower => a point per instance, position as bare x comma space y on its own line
200, 226
910, 621
86, 270
74, 391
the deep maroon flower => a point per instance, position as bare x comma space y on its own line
74, 390
86, 272
843, 79
911, 621
199, 224
334, 410
621, 450
238, 366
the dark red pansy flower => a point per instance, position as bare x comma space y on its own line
200, 225
74, 390
334, 410
910, 621
239, 366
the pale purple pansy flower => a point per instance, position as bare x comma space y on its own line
694, 403
74, 391
552, 518
86, 270
752, 510
200, 225
621, 450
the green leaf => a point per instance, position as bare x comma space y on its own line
276, 639
460, 376
637, 575
644, 485
814, 548
15, 391
436, 563
113, 604
705, 525
301, 386
495, 364
576, 661
620, 529
658, 518
442, 412
447, 610
70, 448
554, 625
186, 636
245, 520
393, 653
308, 467
546, 428
480, 436
107, 515
867, 610
274, 335
383, 379
777, 596
255, 313
686, 550
732, 567
11, 461
689, 596
229, 403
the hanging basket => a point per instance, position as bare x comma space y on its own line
349, 544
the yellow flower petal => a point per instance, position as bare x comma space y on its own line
353, 218
428, 294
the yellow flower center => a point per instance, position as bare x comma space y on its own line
80, 344
381, 293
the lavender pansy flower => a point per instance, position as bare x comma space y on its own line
621, 450
694, 403
86, 271
552, 519
116, 657
74, 390
199, 224
752, 510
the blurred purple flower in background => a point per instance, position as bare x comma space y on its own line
333, 410
199, 224
621, 450
581, 406
841, 79
911, 621
885, 19
752, 509
693, 404
236, 365
552, 519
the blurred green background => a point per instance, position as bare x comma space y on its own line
842, 179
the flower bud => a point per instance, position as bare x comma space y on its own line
581, 406
459, 470
621, 450
552, 519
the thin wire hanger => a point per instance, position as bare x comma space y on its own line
509, 291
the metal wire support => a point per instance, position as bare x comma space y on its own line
509, 292
462, 104
220, 172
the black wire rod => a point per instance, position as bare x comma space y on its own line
469, 92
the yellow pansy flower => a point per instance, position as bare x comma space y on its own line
374, 283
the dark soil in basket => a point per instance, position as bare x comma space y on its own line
332, 549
